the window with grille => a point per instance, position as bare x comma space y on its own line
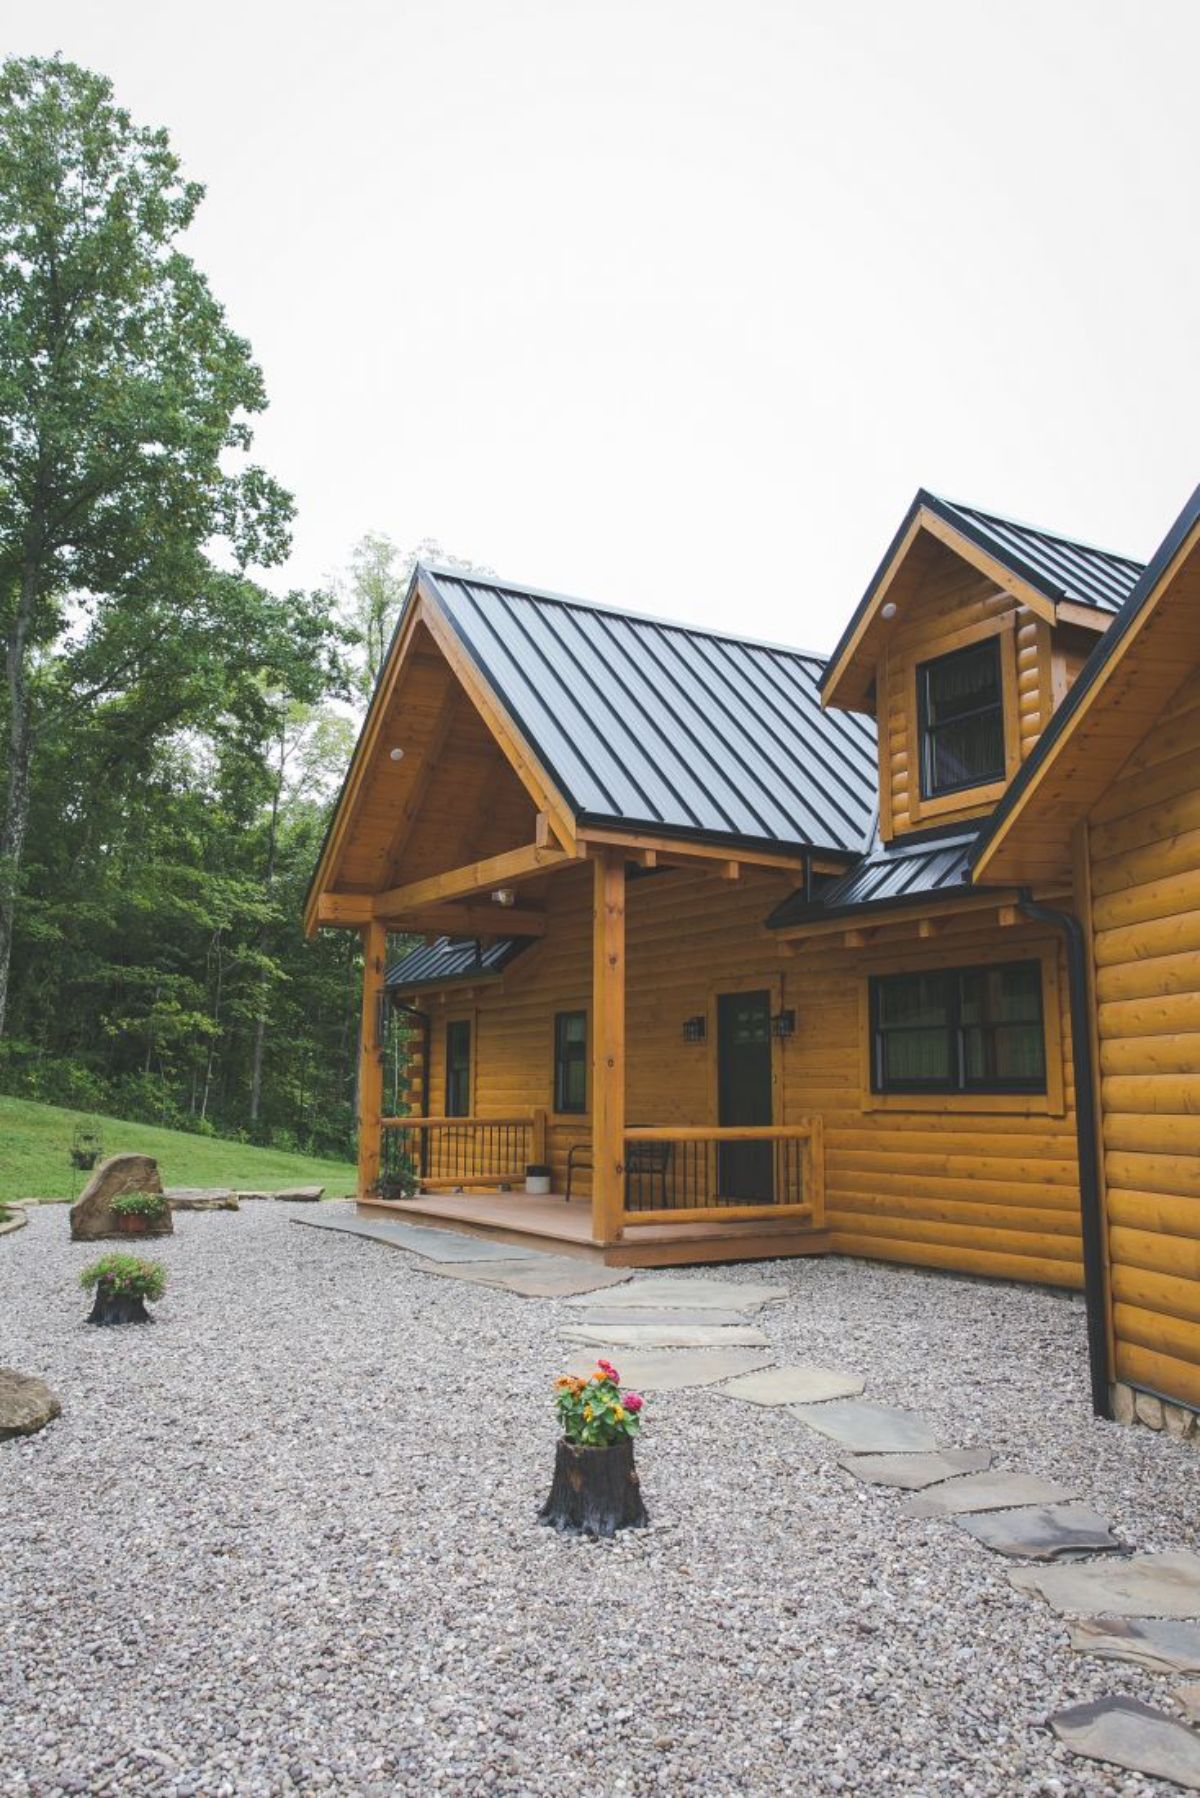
570, 1061
960, 709
973, 1030
458, 1068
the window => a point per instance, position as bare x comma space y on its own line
570, 1061
961, 719
458, 1068
960, 1030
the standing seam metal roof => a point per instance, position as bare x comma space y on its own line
660, 726
892, 875
453, 958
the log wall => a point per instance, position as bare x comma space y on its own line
983, 1186
1144, 870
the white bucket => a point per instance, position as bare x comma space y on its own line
535, 1183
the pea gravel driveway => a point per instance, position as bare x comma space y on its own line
283, 1541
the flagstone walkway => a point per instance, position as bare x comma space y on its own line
671, 1333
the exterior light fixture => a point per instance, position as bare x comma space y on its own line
695, 1030
888, 609
783, 1024
504, 896
397, 754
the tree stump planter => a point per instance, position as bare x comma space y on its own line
595, 1491
118, 1307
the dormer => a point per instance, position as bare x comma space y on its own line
969, 636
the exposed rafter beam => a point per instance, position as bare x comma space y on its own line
476, 877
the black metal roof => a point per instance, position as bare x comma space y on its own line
1091, 672
937, 865
454, 958
646, 724
1059, 567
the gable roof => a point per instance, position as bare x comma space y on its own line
1042, 567
648, 725
937, 865
1126, 664
454, 958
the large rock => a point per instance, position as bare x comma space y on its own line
26, 1404
201, 1198
295, 1195
92, 1216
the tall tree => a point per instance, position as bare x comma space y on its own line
372, 595
124, 396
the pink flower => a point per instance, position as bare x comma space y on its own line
633, 1401
609, 1372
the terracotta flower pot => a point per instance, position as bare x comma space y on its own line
595, 1491
133, 1223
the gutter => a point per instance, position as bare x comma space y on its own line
1091, 1215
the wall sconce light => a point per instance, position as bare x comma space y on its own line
695, 1030
888, 609
783, 1024
396, 754
504, 896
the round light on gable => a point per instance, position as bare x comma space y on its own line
888, 608
396, 754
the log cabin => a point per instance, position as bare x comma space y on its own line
1108, 806
698, 926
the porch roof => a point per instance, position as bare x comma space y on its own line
454, 959
935, 864
649, 725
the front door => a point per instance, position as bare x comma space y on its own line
744, 1094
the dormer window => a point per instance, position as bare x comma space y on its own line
960, 709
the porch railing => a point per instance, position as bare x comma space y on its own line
447, 1152
707, 1173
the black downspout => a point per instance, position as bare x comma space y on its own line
1086, 1126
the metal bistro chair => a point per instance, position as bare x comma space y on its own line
652, 1159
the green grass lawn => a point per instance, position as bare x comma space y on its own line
35, 1139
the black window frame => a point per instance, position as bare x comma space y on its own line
959, 1082
564, 1064
927, 731
458, 1104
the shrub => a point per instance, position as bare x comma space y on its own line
6, 1215
140, 1204
126, 1276
595, 1413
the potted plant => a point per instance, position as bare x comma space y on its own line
595, 1489
537, 1177
85, 1150
137, 1213
122, 1284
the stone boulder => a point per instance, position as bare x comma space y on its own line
201, 1198
92, 1215
296, 1195
26, 1404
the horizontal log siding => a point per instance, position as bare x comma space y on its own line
1144, 840
992, 1192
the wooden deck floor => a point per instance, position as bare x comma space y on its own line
547, 1221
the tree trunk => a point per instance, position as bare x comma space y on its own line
20, 749
595, 1490
264, 991
118, 1308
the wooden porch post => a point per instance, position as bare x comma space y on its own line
608, 1045
370, 1056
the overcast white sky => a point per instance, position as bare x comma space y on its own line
673, 303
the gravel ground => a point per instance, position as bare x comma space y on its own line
283, 1540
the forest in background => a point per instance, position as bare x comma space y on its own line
174, 729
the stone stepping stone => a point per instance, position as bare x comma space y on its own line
913, 1472
670, 1336
622, 1316
1156, 1643
673, 1370
804, 1383
27, 1404
538, 1277
856, 1423
1043, 1532
667, 1293
418, 1239
985, 1492
1128, 1733
1188, 1700
1166, 1585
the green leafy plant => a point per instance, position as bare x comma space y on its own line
6, 1215
595, 1413
140, 1204
126, 1276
